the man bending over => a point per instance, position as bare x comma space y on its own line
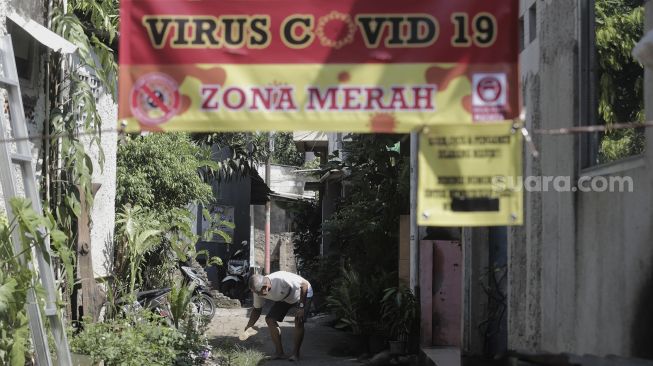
286, 290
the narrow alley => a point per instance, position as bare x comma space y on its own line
323, 345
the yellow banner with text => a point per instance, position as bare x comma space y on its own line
469, 175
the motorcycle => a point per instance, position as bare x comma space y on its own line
156, 301
202, 299
235, 284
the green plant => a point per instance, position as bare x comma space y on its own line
285, 152
364, 230
234, 355
91, 25
161, 172
238, 152
306, 216
14, 282
178, 244
399, 311
122, 342
356, 300
180, 296
619, 25
16, 277
194, 346
138, 234
345, 300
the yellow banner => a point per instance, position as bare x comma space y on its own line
382, 98
469, 175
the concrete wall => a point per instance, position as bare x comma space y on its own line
288, 183
581, 268
282, 250
103, 211
284, 179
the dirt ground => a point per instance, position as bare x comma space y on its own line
322, 345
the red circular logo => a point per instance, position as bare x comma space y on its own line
155, 98
489, 89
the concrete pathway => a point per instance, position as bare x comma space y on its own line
322, 344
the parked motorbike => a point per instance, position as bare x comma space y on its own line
202, 299
235, 284
156, 301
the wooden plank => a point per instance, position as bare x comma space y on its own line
20, 158
404, 249
90, 297
447, 301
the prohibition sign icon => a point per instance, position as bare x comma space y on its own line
489, 89
155, 98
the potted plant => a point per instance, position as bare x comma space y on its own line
399, 314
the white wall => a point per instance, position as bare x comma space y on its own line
284, 179
103, 211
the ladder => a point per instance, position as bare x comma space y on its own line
22, 157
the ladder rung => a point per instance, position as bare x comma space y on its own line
50, 311
21, 158
8, 82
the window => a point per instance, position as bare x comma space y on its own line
26, 54
521, 34
532, 23
617, 82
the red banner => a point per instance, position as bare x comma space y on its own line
316, 65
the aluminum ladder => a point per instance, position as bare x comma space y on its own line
22, 158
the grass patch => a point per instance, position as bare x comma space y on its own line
236, 355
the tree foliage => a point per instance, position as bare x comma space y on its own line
248, 150
245, 151
285, 152
619, 25
307, 220
92, 26
365, 225
161, 172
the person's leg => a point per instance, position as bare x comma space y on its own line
299, 337
299, 331
276, 314
275, 334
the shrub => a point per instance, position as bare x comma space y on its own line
399, 311
119, 342
235, 355
356, 300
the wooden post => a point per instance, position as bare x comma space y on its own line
90, 297
426, 292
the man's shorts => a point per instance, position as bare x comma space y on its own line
280, 309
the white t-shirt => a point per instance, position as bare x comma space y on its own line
286, 286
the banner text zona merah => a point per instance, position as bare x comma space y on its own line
333, 98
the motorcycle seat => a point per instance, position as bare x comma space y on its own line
152, 293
